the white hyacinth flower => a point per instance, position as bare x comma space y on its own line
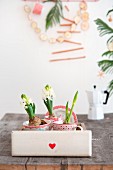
22, 104
25, 107
27, 101
30, 100
48, 93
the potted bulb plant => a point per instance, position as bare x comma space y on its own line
48, 96
67, 124
34, 121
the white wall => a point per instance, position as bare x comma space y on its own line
25, 66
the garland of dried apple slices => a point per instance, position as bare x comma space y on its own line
82, 18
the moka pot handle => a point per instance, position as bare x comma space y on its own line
107, 96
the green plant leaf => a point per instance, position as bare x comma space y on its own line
110, 39
33, 106
66, 116
108, 54
30, 112
69, 114
106, 66
75, 98
111, 10
73, 103
110, 87
49, 106
54, 15
103, 27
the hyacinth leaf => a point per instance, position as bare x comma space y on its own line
66, 119
68, 115
74, 101
48, 104
33, 106
51, 105
29, 110
45, 103
29, 107
75, 98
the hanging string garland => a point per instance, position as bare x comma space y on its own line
43, 36
82, 15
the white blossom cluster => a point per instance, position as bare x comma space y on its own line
48, 93
26, 101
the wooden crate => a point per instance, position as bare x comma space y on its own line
52, 143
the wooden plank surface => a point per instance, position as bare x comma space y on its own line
102, 158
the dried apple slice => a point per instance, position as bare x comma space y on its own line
38, 30
73, 27
29, 17
67, 34
110, 46
85, 16
33, 24
60, 39
52, 40
78, 13
27, 9
43, 37
77, 19
85, 26
83, 5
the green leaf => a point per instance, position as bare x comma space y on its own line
106, 66
75, 98
108, 54
66, 117
73, 103
54, 15
110, 40
111, 10
33, 106
103, 27
110, 87
30, 112
69, 114
49, 105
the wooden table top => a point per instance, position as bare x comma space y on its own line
102, 158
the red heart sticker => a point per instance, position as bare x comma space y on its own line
52, 145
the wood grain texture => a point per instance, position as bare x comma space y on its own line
12, 167
102, 146
92, 167
31, 167
74, 167
108, 167
43, 167
46, 167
